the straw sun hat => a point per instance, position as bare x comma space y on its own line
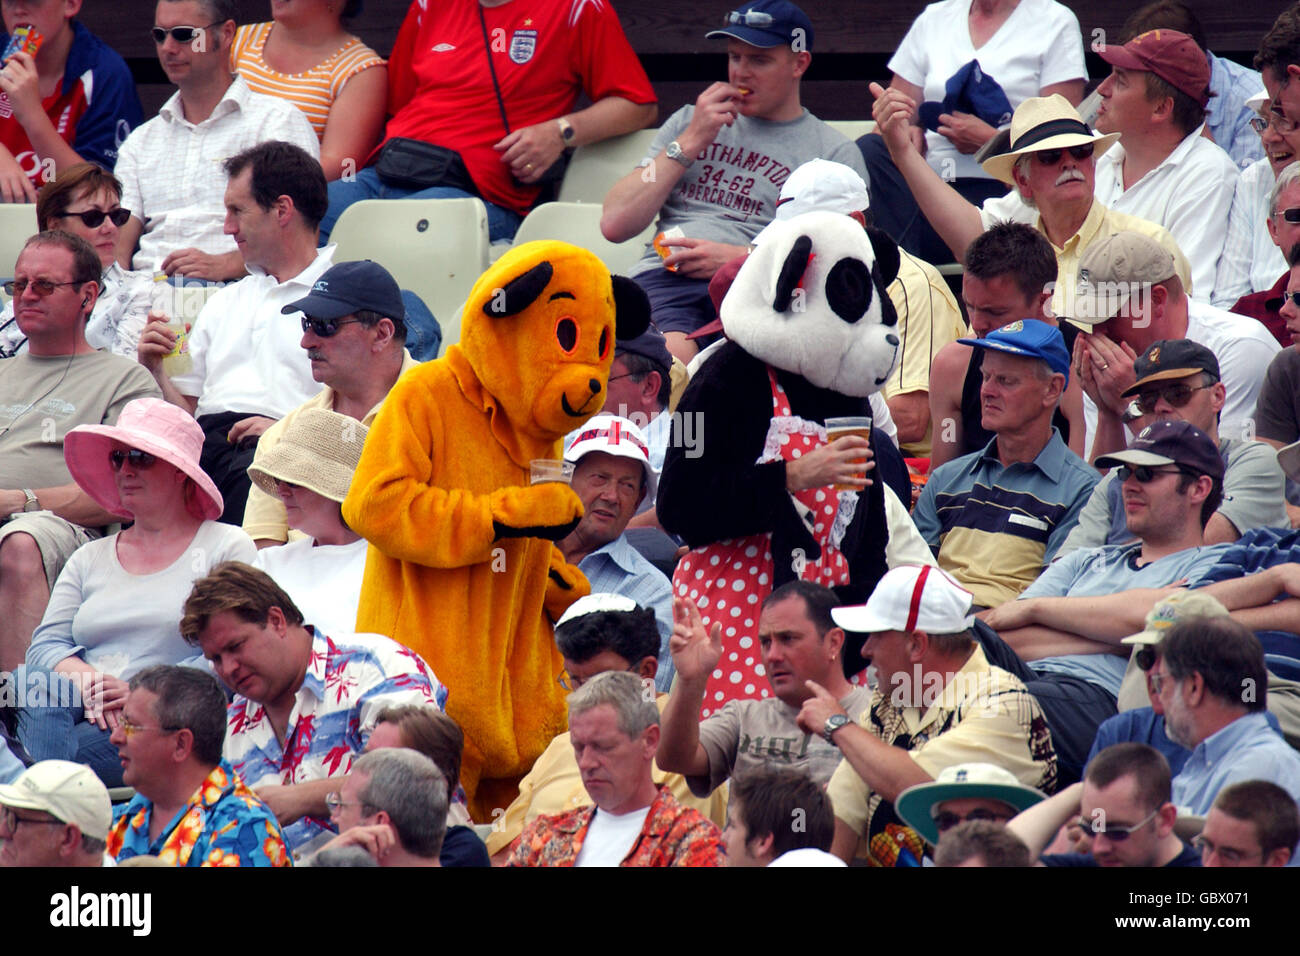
318, 450
1045, 122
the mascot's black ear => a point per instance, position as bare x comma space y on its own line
519, 293
631, 308
886, 253
796, 261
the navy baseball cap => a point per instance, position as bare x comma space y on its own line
650, 344
348, 287
767, 23
1029, 338
1170, 443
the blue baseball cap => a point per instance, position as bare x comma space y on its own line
767, 23
1029, 338
969, 90
348, 287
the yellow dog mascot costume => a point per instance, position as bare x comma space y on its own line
462, 566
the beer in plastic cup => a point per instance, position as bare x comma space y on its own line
849, 425
541, 470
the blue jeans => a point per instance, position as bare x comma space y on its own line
502, 222
52, 728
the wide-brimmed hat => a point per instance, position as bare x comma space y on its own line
963, 781
318, 450
1045, 122
619, 437
160, 428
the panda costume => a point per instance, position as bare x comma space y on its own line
811, 334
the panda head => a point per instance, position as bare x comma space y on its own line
811, 300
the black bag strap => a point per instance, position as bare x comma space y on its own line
496, 87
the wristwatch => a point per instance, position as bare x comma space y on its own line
675, 153
566, 130
833, 723
32, 504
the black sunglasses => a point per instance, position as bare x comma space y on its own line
1143, 473
1145, 657
1175, 395
1050, 157
1292, 297
94, 218
1290, 215
179, 34
946, 821
139, 459
324, 328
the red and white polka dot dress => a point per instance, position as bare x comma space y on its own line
729, 579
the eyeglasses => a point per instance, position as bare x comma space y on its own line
179, 34
1160, 681
946, 821
1116, 834
139, 459
1279, 122
11, 821
1143, 473
335, 802
130, 728
1175, 395
324, 328
42, 287
1050, 157
750, 18
1291, 215
94, 218
1228, 855
569, 682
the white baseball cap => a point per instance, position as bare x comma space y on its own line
619, 437
67, 791
911, 598
819, 185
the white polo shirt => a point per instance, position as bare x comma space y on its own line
247, 356
1190, 193
1251, 261
172, 175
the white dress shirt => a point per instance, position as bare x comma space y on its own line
1251, 261
172, 175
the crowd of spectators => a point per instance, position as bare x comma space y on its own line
1082, 627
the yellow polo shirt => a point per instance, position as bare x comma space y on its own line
928, 319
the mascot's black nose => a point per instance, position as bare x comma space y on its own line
594, 386
848, 289
892, 339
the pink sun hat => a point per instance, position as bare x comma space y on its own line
151, 425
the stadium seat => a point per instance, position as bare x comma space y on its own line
17, 225
437, 248
579, 223
594, 168
852, 129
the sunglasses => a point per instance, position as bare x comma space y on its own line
1116, 834
1143, 473
1050, 157
94, 218
179, 34
1293, 298
750, 18
138, 459
324, 328
1291, 215
1145, 658
42, 287
944, 822
1175, 395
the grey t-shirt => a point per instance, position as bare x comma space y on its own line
1253, 485
43, 397
754, 735
730, 193
1277, 413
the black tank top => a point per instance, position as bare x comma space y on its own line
975, 436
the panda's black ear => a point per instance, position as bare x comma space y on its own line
792, 269
631, 308
886, 253
520, 292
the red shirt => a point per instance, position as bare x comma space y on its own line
545, 53
1266, 307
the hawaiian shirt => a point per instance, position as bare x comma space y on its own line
672, 835
224, 824
349, 681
